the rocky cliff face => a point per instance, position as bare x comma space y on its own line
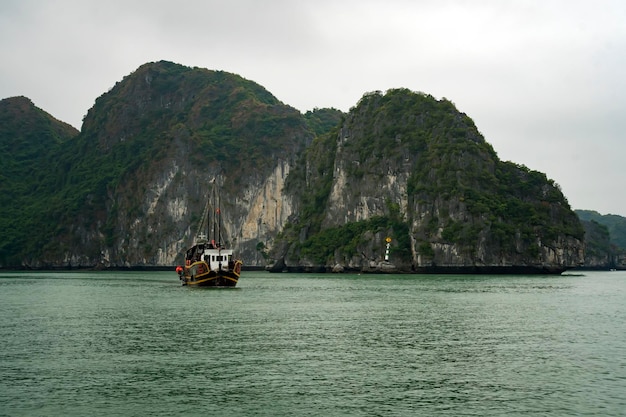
408, 167
599, 252
150, 149
404, 183
161, 227
605, 240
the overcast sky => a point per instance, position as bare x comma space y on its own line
542, 79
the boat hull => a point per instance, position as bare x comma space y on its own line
199, 275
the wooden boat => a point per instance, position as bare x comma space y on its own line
207, 262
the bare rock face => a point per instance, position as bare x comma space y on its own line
406, 167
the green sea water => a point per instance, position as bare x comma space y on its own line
139, 344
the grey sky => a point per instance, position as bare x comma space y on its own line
542, 79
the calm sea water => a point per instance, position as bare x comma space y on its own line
139, 344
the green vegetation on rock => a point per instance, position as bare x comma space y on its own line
616, 225
30, 140
60, 186
129, 186
457, 191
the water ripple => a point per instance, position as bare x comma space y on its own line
316, 345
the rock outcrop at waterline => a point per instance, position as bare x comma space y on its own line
129, 189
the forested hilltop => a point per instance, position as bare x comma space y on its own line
30, 144
314, 191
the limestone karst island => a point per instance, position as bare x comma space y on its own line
401, 183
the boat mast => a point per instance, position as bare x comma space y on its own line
200, 237
219, 227
208, 218
219, 221
213, 198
